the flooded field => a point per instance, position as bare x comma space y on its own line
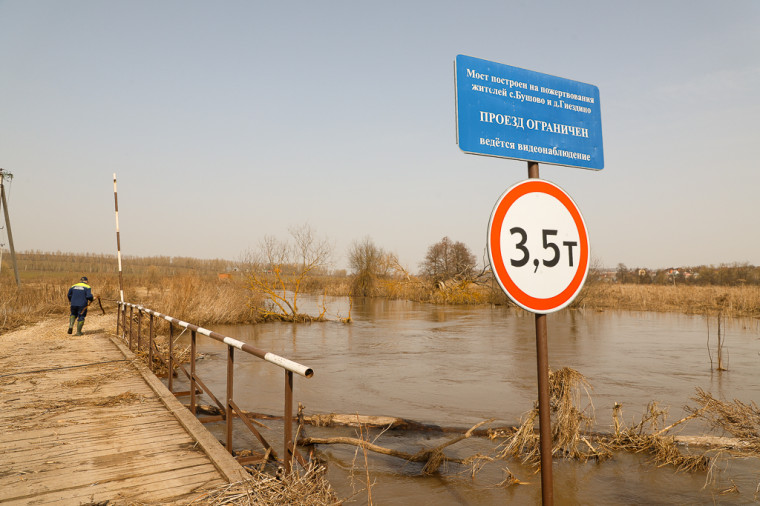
457, 366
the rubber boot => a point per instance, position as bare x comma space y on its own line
79, 328
72, 319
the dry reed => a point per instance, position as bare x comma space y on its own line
644, 437
203, 301
509, 479
30, 303
188, 287
525, 443
736, 418
734, 301
181, 355
308, 487
192, 290
568, 423
460, 293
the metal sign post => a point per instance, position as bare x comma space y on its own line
544, 411
537, 240
539, 252
544, 407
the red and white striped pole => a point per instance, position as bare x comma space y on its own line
118, 242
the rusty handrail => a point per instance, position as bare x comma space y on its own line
229, 409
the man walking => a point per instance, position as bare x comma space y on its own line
80, 296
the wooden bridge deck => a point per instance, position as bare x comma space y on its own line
83, 422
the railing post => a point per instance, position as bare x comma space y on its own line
131, 317
228, 406
171, 358
150, 342
139, 322
288, 419
192, 372
123, 320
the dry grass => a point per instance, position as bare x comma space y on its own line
189, 287
525, 443
201, 300
30, 303
568, 423
424, 290
460, 293
405, 289
734, 301
566, 387
181, 355
308, 487
646, 437
736, 418
192, 290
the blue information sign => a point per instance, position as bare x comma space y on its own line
516, 113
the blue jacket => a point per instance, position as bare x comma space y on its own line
80, 294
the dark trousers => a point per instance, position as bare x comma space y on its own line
79, 311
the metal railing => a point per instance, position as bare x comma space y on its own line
229, 409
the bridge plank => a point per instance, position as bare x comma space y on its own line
83, 422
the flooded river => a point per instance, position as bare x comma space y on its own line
457, 366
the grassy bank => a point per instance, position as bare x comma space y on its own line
186, 288
201, 300
732, 301
194, 291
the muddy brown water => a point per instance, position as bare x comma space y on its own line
456, 366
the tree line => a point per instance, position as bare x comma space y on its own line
446, 261
90, 263
735, 274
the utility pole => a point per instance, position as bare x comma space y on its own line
4, 205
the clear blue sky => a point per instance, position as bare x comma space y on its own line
228, 121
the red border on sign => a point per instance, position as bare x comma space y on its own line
494, 240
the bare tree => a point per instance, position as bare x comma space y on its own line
448, 260
367, 261
279, 269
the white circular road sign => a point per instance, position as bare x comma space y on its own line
538, 246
